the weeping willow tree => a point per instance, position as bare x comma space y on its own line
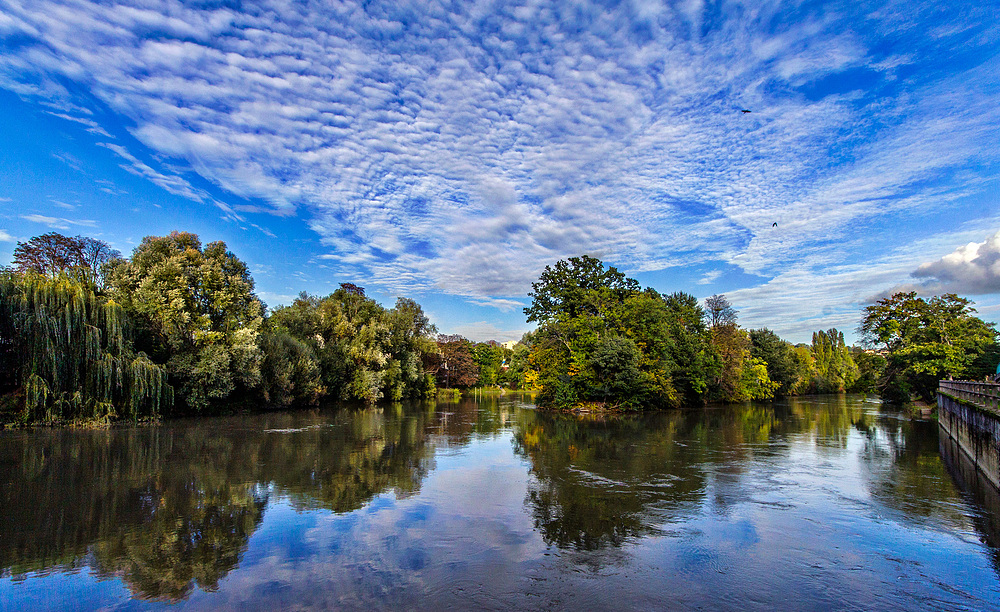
65, 354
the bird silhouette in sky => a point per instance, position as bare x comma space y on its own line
775, 224
745, 110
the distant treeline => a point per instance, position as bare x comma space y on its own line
602, 339
87, 335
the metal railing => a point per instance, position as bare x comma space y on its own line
982, 394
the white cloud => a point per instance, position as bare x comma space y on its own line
461, 148
710, 277
58, 222
6, 237
171, 183
972, 269
481, 331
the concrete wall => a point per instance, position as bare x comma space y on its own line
975, 430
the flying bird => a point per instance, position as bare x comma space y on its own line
775, 224
745, 110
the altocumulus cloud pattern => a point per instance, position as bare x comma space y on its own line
461, 146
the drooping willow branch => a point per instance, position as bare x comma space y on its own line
68, 351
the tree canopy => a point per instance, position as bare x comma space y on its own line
576, 286
925, 340
198, 313
53, 254
67, 355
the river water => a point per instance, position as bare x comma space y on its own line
822, 503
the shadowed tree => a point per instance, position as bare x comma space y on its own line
720, 311
67, 354
52, 254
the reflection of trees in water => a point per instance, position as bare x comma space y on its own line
170, 508
974, 485
601, 481
138, 500
194, 537
341, 466
904, 471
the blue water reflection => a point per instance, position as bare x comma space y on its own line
810, 504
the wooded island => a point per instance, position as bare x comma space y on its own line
89, 336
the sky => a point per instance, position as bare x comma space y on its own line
449, 151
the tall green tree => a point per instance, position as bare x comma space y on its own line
779, 355
693, 364
365, 352
65, 353
489, 359
198, 313
834, 370
577, 286
925, 340
602, 339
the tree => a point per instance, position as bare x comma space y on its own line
602, 339
67, 354
410, 338
779, 356
290, 372
52, 254
720, 311
364, 351
692, 365
579, 285
199, 314
834, 371
730, 347
489, 359
454, 366
925, 341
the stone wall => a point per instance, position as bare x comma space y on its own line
975, 430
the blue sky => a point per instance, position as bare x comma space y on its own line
448, 151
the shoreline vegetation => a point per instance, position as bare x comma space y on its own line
88, 337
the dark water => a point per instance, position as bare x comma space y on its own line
813, 504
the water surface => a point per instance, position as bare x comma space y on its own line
810, 504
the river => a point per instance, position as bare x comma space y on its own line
816, 503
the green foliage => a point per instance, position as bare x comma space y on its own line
364, 351
925, 341
834, 370
730, 347
576, 287
66, 354
193, 310
198, 313
290, 373
489, 359
871, 366
689, 349
780, 357
755, 382
601, 339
